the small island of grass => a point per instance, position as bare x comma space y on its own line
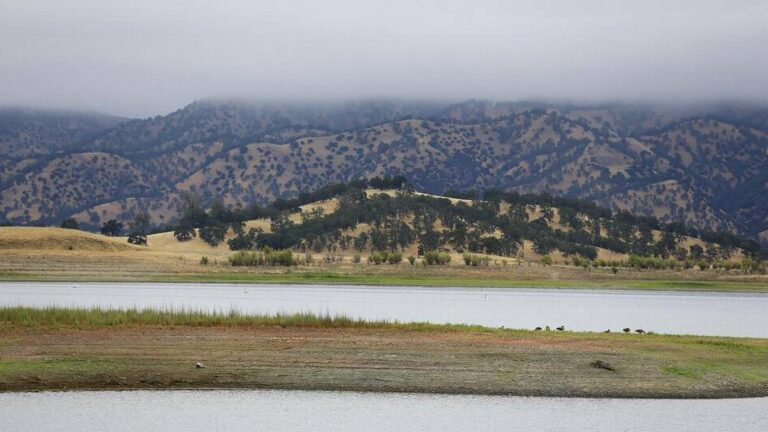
57, 349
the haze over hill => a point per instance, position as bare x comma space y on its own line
703, 166
146, 57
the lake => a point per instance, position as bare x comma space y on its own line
273, 411
720, 314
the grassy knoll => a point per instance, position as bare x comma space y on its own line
80, 348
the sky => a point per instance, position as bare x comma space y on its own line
147, 57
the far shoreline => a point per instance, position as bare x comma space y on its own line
404, 281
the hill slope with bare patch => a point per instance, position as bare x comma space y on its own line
703, 167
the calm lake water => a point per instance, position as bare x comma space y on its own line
275, 411
723, 314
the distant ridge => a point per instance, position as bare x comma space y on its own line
703, 166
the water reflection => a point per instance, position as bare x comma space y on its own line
335, 411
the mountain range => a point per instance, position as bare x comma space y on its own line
705, 166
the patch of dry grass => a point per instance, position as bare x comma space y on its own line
35, 238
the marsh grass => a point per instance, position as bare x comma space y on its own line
57, 317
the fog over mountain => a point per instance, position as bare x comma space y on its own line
144, 58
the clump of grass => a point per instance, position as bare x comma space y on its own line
204, 260
475, 260
83, 318
385, 257
98, 317
599, 364
267, 257
437, 258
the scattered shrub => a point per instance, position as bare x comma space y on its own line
204, 260
411, 259
546, 260
356, 259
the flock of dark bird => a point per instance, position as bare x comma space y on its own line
562, 328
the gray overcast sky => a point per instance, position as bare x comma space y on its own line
147, 57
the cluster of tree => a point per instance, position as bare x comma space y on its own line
336, 189
70, 223
138, 228
212, 225
497, 225
112, 228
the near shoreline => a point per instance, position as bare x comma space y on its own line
65, 349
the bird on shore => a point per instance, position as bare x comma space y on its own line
627, 330
561, 328
199, 365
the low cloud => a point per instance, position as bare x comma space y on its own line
143, 57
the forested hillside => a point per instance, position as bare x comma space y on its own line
704, 167
387, 218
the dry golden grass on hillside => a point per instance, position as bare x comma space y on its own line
71, 254
59, 239
164, 246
